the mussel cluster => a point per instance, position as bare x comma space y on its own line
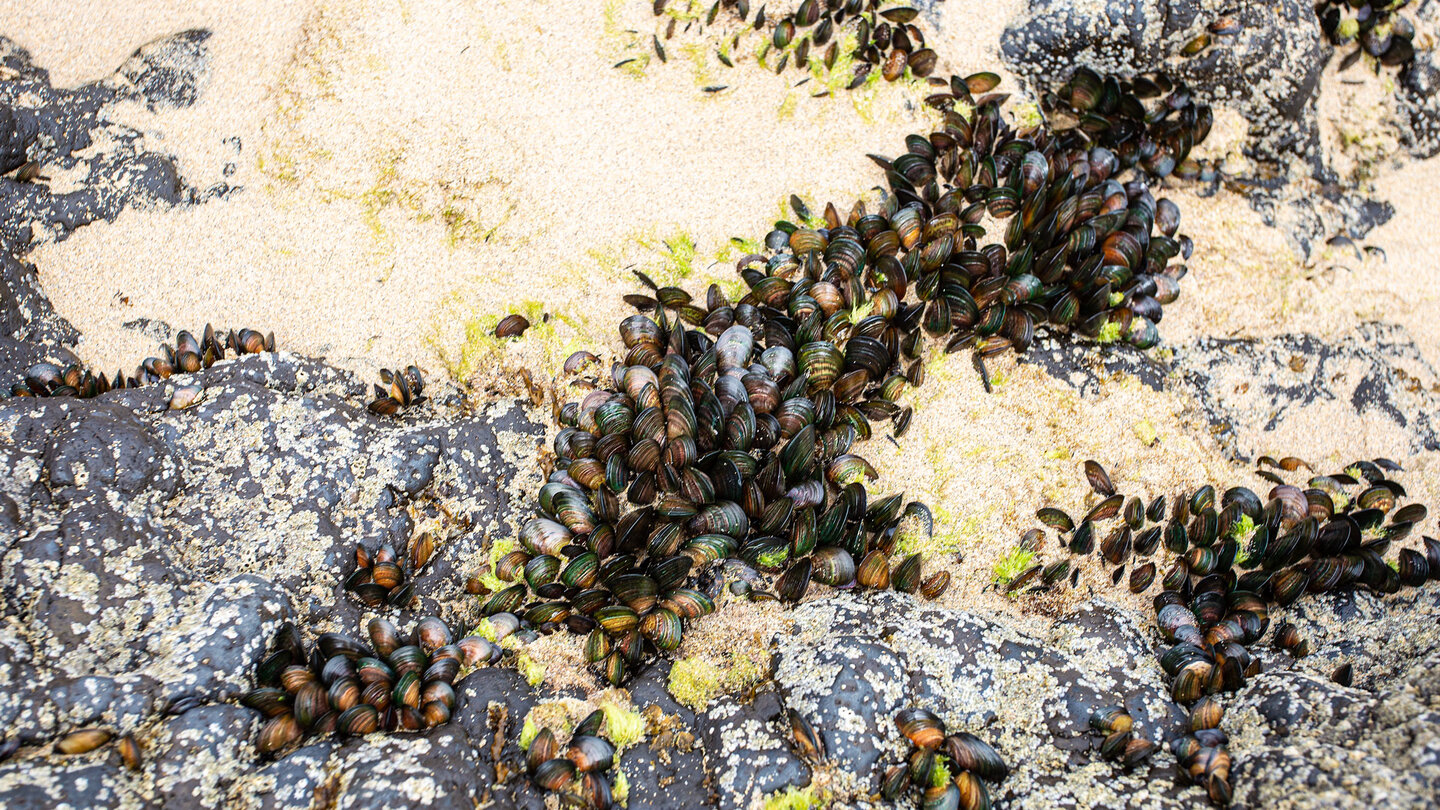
402, 682
949, 770
887, 38
730, 426
380, 576
1235, 558
1080, 249
578, 771
729, 441
1376, 26
1147, 121
188, 355
399, 389
1121, 742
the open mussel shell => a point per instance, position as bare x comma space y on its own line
935, 585
542, 749
941, 797
791, 585
83, 741
972, 792
894, 782
511, 326
922, 728
555, 774
131, 754
185, 396
590, 753
278, 733
662, 626
807, 742
833, 566
1136, 751
874, 571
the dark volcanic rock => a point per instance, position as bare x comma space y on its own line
1303, 741
1029, 696
57, 128
1269, 73
749, 755
1084, 364
151, 554
1247, 388
30, 329
660, 772
1419, 91
12, 141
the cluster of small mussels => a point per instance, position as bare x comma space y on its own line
950, 770
400, 389
577, 772
1231, 565
1378, 27
1120, 743
887, 38
1080, 249
404, 683
188, 355
1113, 113
379, 577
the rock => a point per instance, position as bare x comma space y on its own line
197, 754
1029, 696
155, 553
1268, 72
12, 141
748, 755
59, 127
76, 784
1083, 364
30, 329
1305, 742
168, 72
1418, 95
660, 772
1248, 388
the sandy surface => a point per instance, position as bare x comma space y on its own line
411, 171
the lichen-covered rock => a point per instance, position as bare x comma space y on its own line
749, 755
1419, 86
668, 768
1084, 364
12, 141
151, 554
852, 662
30, 329
1301, 741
